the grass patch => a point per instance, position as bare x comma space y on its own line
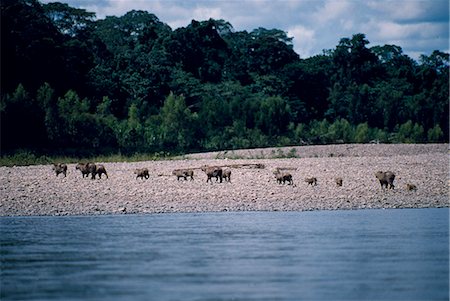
24, 158
280, 154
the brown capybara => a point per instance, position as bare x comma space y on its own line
283, 177
411, 187
189, 173
311, 181
179, 173
100, 169
86, 168
142, 173
183, 173
213, 171
227, 175
60, 168
386, 179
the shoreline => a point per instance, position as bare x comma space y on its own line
36, 191
112, 214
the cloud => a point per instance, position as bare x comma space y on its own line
411, 10
397, 10
333, 10
205, 13
304, 40
391, 31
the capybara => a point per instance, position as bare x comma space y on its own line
183, 173
411, 187
386, 179
213, 171
60, 168
92, 169
179, 173
189, 173
142, 173
283, 177
311, 181
100, 169
227, 175
86, 168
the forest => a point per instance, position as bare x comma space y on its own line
75, 84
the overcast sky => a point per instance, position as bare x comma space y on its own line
418, 26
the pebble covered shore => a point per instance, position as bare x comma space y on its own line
35, 190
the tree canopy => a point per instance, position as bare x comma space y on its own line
131, 83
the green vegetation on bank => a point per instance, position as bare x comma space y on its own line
78, 87
26, 157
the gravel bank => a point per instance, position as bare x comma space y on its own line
35, 190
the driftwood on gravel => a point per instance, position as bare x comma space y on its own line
164, 175
280, 169
245, 165
242, 165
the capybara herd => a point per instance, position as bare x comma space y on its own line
385, 178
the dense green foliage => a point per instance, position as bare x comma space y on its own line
72, 84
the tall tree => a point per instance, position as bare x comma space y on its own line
199, 49
176, 124
30, 51
22, 121
67, 19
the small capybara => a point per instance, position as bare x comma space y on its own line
142, 173
183, 173
60, 168
311, 181
227, 175
411, 187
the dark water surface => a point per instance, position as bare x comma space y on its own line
398, 254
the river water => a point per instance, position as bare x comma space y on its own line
400, 254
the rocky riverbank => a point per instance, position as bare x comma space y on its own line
35, 190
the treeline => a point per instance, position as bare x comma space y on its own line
132, 84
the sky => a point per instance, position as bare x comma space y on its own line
417, 26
